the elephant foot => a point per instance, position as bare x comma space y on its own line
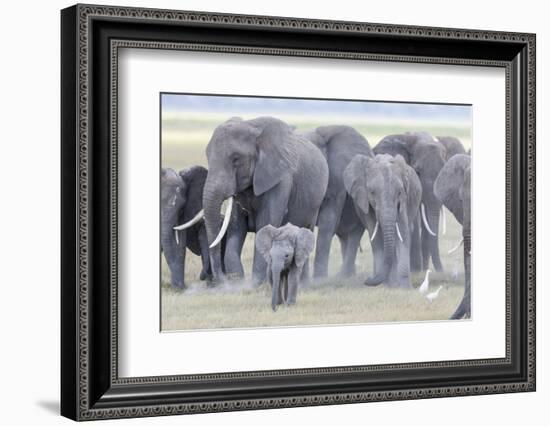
234, 276
346, 273
374, 281
257, 282
212, 282
180, 288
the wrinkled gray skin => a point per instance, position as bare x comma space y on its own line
283, 175
427, 157
339, 144
452, 146
285, 250
387, 190
452, 187
181, 199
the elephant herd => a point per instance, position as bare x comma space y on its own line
280, 184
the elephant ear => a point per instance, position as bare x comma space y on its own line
305, 240
264, 239
194, 174
355, 181
194, 178
276, 154
450, 178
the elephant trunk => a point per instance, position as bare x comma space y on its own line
212, 201
388, 231
174, 252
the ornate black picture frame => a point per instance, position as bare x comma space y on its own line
90, 38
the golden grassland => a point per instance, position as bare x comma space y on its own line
329, 301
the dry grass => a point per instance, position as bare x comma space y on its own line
332, 301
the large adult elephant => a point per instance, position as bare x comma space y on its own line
339, 144
386, 194
452, 187
181, 201
427, 157
285, 175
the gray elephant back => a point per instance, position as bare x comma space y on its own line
341, 144
398, 144
452, 145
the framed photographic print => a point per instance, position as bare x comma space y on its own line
263, 212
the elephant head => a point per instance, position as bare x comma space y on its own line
243, 154
427, 158
382, 186
426, 155
286, 250
452, 187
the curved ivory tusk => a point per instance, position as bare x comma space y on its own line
225, 223
375, 231
177, 238
444, 218
398, 232
455, 248
190, 223
423, 211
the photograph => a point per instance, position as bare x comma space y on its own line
266, 209
278, 211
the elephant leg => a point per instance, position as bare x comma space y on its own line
436, 259
416, 247
327, 223
352, 245
283, 289
206, 272
174, 253
403, 266
305, 273
293, 280
272, 210
464, 308
236, 235
430, 243
424, 237
343, 241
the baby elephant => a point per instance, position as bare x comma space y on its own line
286, 251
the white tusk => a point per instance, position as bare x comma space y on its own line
398, 233
444, 217
375, 231
190, 223
225, 223
455, 248
177, 238
423, 211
